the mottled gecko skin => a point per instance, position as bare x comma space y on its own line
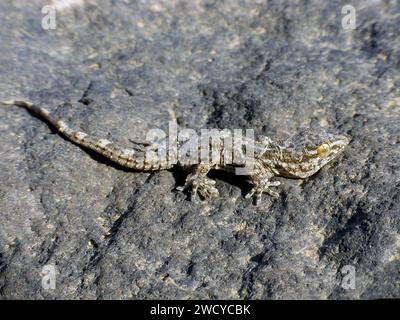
299, 157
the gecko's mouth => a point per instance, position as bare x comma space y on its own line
340, 142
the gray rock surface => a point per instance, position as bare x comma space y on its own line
118, 68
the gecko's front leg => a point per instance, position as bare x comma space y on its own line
200, 183
261, 181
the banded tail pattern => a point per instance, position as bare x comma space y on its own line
124, 157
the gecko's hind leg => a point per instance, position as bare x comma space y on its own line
261, 184
200, 183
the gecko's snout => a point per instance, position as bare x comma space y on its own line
334, 147
341, 141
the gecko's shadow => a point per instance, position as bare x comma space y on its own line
232, 179
103, 160
96, 156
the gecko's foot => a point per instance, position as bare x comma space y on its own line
258, 190
201, 185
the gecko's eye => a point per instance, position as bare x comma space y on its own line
323, 149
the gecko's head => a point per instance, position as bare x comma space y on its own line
315, 148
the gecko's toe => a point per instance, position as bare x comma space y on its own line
209, 192
257, 192
193, 197
202, 186
250, 193
272, 193
274, 184
206, 188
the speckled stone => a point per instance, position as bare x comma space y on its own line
116, 69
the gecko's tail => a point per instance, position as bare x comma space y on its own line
42, 112
19, 103
124, 157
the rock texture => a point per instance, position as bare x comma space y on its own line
118, 68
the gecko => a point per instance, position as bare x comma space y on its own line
300, 156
